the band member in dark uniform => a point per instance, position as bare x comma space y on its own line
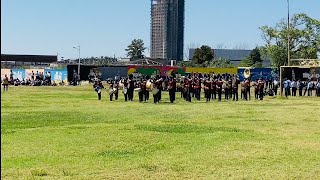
142, 91
207, 92
147, 93
97, 87
261, 88
131, 88
230, 87
111, 90
214, 87
219, 87
243, 90
187, 89
226, 87
182, 89
155, 91
125, 89
248, 89
256, 89
116, 89
160, 81
199, 88
235, 87
172, 89
196, 88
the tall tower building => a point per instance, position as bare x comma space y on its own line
167, 29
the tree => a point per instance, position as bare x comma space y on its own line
221, 63
187, 64
202, 55
253, 60
304, 35
136, 49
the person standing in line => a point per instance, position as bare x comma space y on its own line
260, 88
207, 93
111, 90
125, 89
275, 86
286, 85
256, 89
318, 88
171, 89
219, 88
294, 87
131, 88
235, 87
230, 86
116, 89
310, 87
248, 85
300, 85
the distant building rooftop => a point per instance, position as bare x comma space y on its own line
29, 58
234, 55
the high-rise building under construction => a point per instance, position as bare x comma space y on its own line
167, 29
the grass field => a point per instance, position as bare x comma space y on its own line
66, 133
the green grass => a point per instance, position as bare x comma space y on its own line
66, 133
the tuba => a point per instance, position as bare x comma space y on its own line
247, 73
148, 85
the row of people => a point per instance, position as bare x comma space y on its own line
190, 87
307, 87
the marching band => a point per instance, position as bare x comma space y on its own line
214, 86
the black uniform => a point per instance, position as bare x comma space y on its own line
131, 89
97, 87
236, 89
125, 90
172, 89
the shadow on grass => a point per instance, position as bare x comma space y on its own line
116, 153
180, 128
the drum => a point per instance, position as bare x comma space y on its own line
155, 91
111, 91
148, 85
125, 91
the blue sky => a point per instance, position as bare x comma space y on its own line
106, 27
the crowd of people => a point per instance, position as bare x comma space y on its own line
195, 86
35, 79
303, 88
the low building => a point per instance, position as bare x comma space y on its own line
234, 55
28, 60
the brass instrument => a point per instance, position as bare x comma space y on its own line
247, 73
148, 85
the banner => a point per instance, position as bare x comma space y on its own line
57, 75
256, 73
29, 71
155, 70
211, 70
19, 74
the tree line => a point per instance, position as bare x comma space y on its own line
304, 42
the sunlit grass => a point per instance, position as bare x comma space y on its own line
66, 133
